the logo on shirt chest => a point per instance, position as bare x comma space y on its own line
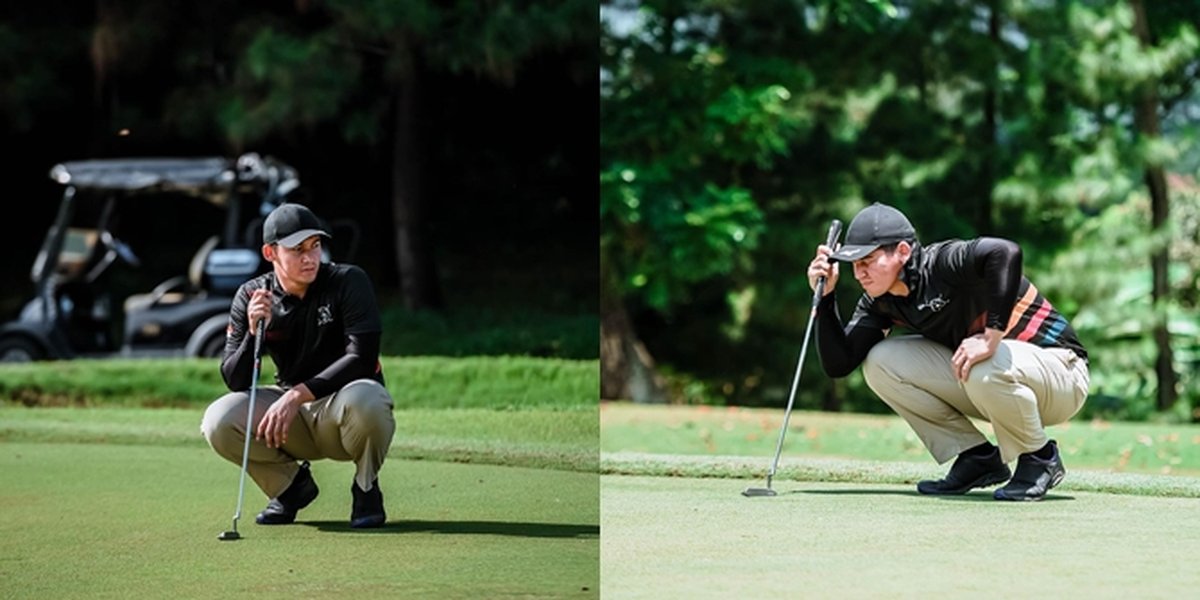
324, 315
934, 304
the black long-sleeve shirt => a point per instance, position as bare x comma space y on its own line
324, 340
956, 289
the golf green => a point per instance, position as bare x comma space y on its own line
122, 521
675, 537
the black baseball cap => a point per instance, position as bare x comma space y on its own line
290, 224
874, 226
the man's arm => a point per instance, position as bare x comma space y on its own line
237, 364
359, 362
843, 349
996, 263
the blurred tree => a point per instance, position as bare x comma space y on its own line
1147, 105
1114, 75
681, 130
1000, 117
363, 65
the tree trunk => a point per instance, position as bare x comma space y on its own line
987, 179
104, 52
419, 286
1147, 123
626, 367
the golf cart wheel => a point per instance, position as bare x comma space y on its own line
19, 349
214, 347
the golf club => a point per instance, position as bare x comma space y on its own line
233, 534
835, 229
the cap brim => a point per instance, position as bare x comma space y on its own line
298, 238
853, 253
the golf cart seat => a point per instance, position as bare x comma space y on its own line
181, 307
179, 288
79, 246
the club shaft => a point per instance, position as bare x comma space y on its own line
835, 230
812, 317
249, 422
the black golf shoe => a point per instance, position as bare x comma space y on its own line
368, 507
1035, 476
282, 509
970, 470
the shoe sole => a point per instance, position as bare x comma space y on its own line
287, 520
987, 480
368, 522
271, 521
1054, 481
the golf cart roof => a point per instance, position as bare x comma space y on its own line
204, 176
145, 173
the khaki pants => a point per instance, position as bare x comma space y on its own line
355, 423
1020, 390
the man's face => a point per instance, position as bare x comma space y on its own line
298, 265
879, 271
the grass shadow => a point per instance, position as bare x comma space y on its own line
868, 492
533, 530
987, 497
968, 497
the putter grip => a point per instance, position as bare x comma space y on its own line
258, 336
831, 238
835, 229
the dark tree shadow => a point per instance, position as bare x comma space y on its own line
535, 530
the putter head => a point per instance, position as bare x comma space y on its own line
753, 492
228, 536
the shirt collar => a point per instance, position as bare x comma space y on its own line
277, 288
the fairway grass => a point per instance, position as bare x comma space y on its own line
133, 521
678, 537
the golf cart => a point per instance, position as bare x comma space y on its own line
78, 310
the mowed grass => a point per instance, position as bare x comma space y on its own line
678, 537
1146, 448
133, 521
847, 521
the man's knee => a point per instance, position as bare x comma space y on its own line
365, 398
221, 419
881, 361
990, 382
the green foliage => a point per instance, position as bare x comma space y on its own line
689, 120
673, 238
288, 78
1111, 61
488, 332
1104, 279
